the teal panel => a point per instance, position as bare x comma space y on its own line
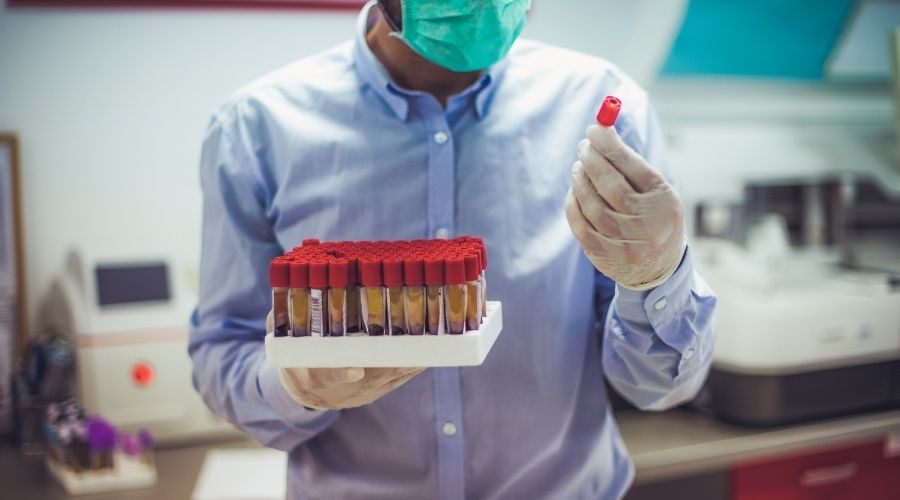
774, 38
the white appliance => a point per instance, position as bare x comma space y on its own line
129, 323
798, 336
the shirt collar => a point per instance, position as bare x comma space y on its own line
373, 74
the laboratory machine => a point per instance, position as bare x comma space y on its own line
807, 274
128, 320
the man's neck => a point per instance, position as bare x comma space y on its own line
412, 71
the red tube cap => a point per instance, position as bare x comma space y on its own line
310, 241
473, 267
318, 274
434, 271
338, 273
370, 272
279, 273
353, 271
609, 111
299, 275
393, 272
413, 272
455, 270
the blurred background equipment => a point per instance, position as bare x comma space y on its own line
127, 320
808, 320
12, 274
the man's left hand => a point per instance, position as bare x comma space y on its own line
628, 219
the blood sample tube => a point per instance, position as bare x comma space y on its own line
299, 299
372, 296
353, 322
609, 111
337, 297
434, 292
473, 291
279, 279
318, 298
393, 284
455, 294
483, 277
414, 295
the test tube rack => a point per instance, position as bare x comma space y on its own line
468, 349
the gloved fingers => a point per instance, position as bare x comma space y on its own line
596, 211
389, 381
376, 377
581, 227
323, 378
606, 141
609, 182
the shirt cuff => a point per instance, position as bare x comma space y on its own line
663, 305
285, 406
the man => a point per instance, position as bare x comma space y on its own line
427, 125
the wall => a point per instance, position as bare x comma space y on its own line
110, 107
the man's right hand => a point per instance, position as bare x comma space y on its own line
340, 388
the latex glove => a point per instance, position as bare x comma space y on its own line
340, 388
628, 219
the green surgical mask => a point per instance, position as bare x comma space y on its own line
463, 35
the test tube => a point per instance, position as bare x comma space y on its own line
434, 292
483, 278
279, 279
337, 297
299, 299
473, 291
372, 297
318, 299
393, 283
455, 294
414, 295
353, 323
609, 111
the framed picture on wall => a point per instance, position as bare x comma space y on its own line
243, 4
12, 272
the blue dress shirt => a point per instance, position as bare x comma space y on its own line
329, 147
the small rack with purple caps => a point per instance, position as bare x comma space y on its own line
87, 454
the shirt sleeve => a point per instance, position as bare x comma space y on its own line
228, 325
658, 343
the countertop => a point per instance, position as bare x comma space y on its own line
681, 442
662, 445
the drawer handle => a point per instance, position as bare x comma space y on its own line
828, 475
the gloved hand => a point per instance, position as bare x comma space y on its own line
340, 388
628, 219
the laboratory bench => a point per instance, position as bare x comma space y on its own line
677, 454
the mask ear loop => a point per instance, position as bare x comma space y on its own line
387, 17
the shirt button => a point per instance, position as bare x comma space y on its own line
441, 233
689, 354
449, 429
440, 137
661, 304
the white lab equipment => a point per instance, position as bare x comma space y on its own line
128, 319
798, 336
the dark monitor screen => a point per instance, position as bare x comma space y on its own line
132, 283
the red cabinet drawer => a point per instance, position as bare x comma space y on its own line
858, 471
